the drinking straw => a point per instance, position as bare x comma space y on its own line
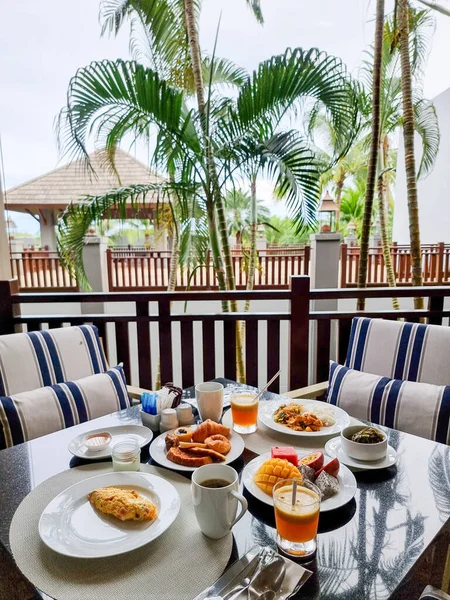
294, 492
261, 392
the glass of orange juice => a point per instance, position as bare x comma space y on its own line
244, 409
296, 522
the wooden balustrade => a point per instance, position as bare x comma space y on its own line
435, 265
136, 270
190, 338
41, 270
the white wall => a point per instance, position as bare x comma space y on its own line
434, 191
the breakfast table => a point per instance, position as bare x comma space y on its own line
388, 542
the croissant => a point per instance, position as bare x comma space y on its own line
208, 428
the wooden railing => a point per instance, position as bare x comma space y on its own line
148, 328
136, 270
435, 265
41, 270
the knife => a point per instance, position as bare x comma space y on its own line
242, 568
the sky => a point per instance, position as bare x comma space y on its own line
43, 42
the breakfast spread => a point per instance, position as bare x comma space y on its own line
125, 505
298, 418
202, 446
368, 435
311, 467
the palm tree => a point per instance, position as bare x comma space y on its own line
239, 214
408, 140
352, 204
374, 146
391, 118
202, 149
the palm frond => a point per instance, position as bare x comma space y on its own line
282, 82
224, 72
444, 10
287, 159
439, 478
427, 126
77, 218
114, 98
255, 7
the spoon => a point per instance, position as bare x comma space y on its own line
269, 578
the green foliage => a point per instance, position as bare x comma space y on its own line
238, 213
109, 100
283, 231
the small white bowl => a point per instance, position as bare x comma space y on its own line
367, 452
95, 442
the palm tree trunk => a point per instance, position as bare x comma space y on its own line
373, 156
253, 228
192, 33
382, 188
173, 267
408, 140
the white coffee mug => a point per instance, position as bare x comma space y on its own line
210, 400
216, 507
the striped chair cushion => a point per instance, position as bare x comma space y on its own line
29, 415
399, 350
32, 360
418, 408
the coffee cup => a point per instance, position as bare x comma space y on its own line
210, 400
216, 498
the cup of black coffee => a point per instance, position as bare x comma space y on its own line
216, 498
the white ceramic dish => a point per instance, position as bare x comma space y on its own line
142, 434
334, 448
347, 485
69, 524
365, 452
268, 408
158, 451
96, 442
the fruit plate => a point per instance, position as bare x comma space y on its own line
159, 454
334, 448
347, 485
268, 408
69, 524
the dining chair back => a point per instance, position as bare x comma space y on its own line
400, 350
41, 358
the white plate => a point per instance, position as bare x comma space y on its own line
158, 451
142, 434
70, 525
268, 408
347, 485
333, 448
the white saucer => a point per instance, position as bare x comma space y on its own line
333, 448
347, 485
142, 434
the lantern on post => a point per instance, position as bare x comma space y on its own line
327, 214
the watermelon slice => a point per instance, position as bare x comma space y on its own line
286, 452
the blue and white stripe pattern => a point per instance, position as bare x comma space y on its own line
31, 414
36, 359
399, 350
418, 408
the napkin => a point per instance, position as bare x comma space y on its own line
296, 577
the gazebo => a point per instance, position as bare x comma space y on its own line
45, 197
